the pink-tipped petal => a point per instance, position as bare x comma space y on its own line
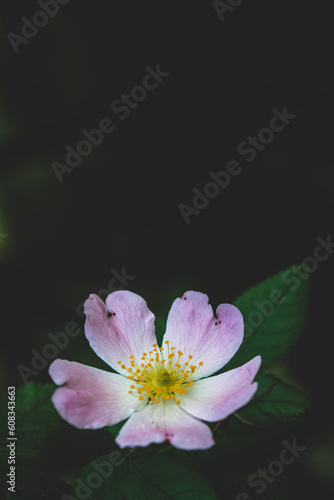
91, 398
193, 329
163, 421
215, 398
129, 330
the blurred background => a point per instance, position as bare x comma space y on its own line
63, 236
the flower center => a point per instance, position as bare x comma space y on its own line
160, 378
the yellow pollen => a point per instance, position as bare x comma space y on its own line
157, 380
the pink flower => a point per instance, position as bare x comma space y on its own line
163, 390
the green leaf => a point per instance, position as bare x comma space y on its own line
101, 479
274, 313
36, 418
146, 475
165, 477
160, 328
275, 402
31, 483
114, 429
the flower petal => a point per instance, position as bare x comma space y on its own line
158, 422
215, 398
193, 329
91, 398
128, 331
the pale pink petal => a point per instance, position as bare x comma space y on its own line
215, 398
163, 421
193, 329
129, 330
91, 398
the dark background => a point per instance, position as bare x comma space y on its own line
119, 207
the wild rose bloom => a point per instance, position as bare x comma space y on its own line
162, 389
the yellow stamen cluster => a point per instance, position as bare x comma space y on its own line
160, 378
